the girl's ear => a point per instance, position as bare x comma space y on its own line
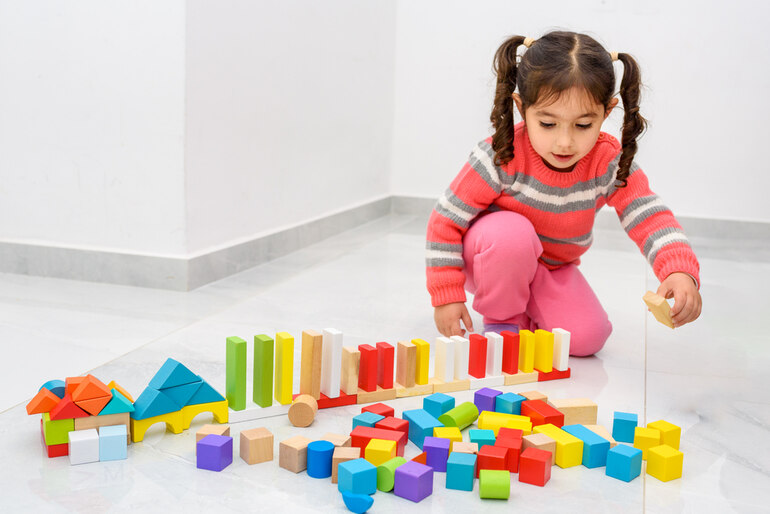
517, 101
613, 103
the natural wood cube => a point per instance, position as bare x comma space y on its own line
292, 453
256, 445
212, 429
337, 439
541, 442
343, 454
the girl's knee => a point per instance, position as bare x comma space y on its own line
589, 339
506, 233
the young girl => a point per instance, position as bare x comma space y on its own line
513, 224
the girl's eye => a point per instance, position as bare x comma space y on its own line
584, 126
547, 125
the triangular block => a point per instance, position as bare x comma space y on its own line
89, 389
44, 401
57, 387
118, 405
153, 403
181, 394
205, 394
171, 374
66, 409
95, 405
114, 385
72, 383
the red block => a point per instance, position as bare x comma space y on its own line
510, 433
385, 355
513, 447
367, 370
535, 466
391, 423
553, 375
510, 352
541, 413
491, 457
422, 458
477, 360
66, 409
380, 408
324, 402
361, 435
53, 450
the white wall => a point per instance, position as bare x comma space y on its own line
703, 64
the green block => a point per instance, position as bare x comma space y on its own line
55, 431
263, 370
386, 473
235, 368
461, 416
495, 484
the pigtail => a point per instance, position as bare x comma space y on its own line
502, 111
633, 122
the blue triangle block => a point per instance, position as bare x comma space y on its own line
205, 394
181, 394
171, 374
358, 503
118, 405
153, 403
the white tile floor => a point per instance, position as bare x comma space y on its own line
709, 377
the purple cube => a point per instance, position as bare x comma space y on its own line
485, 399
413, 481
215, 452
437, 452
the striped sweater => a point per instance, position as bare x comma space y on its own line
561, 207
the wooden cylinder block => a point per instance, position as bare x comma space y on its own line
302, 411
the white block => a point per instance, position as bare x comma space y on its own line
478, 383
331, 362
560, 349
84, 446
257, 412
494, 354
444, 365
462, 353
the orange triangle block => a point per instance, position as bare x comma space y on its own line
43, 401
114, 385
94, 406
72, 383
66, 409
89, 389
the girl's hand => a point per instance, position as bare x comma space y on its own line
448, 318
687, 301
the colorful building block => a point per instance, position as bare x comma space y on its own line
484, 399
386, 473
182, 394
57, 387
381, 409
284, 368
462, 356
104, 421
171, 374
595, 448
494, 484
460, 471
623, 426
152, 403
577, 411
413, 481
211, 429
235, 373
56, 431
357, 503
343, 454
264, 356
444, 362
119, 404
421, 424
481, 437
386, 356
351, 359
205, 395
406, 364
465, 447
535, 466
437, 404
331, 358
43, 401
461, 416
113, 442
664, 462
256, 445
310, 364
357, 476
477, 358
494, 354
114, 385
391, 423
569, 449
422, 361
541, 442
366, 419
624, 462
526, 351
292, 453
510, 352
508, 403
669, 433
541, 413
561, 344
491, 457
496, 420
436, 452
453, 434
602, 431
66, 409
319, 459
513, 448
378, 451
543, 351
84, 446
367, 371
360, 437
214, 452
646, 438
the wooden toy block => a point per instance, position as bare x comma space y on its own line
422, 361
659, 308
358, 476
478, 383
477, 358
337, 440
104, 421
664, 462
444, 362
211, 429
509, 403
406, 365
319, 459
413, 481
171, 374
577, 411
310, 365
366, 419
386, 473
417, 390
494, 484
553, 375
367, 371
463, 447
386, 356
449, 387
218, 410
182, 394
55, 431
284, 367
624, 463
381, 409
541, 442
263, 370
90, 388
669, 433
543, 351
360, 437
235, 373
494, 354
520, 378
66, 409
462, 355
535, 467
513, 448
83, 446
391, 423
510, 352
491, 457
510, 433
482, 437
43, 401
561, 339
569, 449
436, 452
461, 416
57, 387
437, 404
484, 399
205, 394
541, 413
623, 426
534, 395
71, 383
595, 448
421, 425
114, 385
489, 420
379, 451
343, 454
53, 450
461, 471
421, 458
331, 359
303, 410
256, 412
214, 452
378, 395
351, 358
340, 401
646, 438
292, 453
173, 420
357, 503
452, 434
526, 351
94, 406
113, 442
601, 431
256, 445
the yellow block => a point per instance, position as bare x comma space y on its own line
669, 433
218, 409
489, 420
569, 449
114, 385
526, 351
173, 421
543, 351
646, 438
664, 462
379, 451
284, 367
423, 360
452, 433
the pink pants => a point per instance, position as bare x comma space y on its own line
510, 285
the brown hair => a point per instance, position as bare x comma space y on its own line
553, 64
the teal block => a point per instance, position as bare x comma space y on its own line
118, 405
153, 403
55, 386
421, 425
623, 426
181, 394
437, 404
366, 419
595, 447
482, 436
113, 443
509, 403
171, 374
358, 476
460, 471
205, 394
624, 462
357, 503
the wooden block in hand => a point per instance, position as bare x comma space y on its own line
659, 308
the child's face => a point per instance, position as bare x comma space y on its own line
563, 131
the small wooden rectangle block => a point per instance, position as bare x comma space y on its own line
417, 390
343, 454
378, 395
406, 364
541, 442
337, 439
454, 386
292, 453
577, 411
310, 363
350, 362
520, 378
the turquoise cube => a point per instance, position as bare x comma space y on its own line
624, 462
358, 476
623, 426
366, 419
509, 403
595, 447
437, 404
421, 425
460, 471
482, 437
113, 443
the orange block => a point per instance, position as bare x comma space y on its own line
43, 401
66, 409
114, 385
89, 389
95, 405
71, 383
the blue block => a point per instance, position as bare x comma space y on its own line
319, 459
509, 403
172, 373
357, 503
482, 436
358, 476
624, 462
153, 403
182, 394
595, 447
55, 386
113, 442
437, 404
205, 394
460, 471
366, 419
623, 426
214, 452
421, 425
484, 399
118, 405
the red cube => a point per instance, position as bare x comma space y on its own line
535, 466
391, 423
491, 457
541, 413
380, 408
510, 433
514, 449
